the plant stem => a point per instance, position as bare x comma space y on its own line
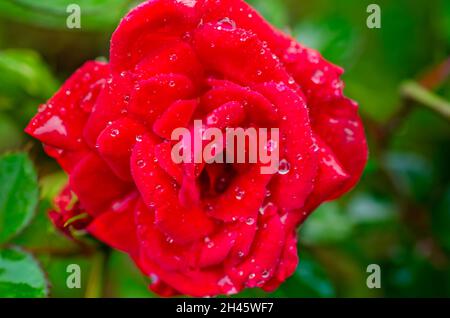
96, 281
416, 92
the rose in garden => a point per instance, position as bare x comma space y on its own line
203, 228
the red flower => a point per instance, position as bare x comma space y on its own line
202, 229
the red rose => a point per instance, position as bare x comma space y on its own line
202, 229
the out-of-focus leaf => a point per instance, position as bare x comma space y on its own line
95, 14
411, 172
410, 273
309, 280
365, 208
23, 73
441, 221
20, 275
42, 235
56, 270
10, 136
126, 280
334, 37
18, 194
444, 10
327, 225
52, 184
275, 11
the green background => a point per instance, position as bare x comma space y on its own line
398, 216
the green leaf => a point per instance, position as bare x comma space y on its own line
327, 225
22, 72
334, 37
18, 194
10, 135
275, 11
21, 275
95, 14
126, 281
368, 209
412, 173
441, 220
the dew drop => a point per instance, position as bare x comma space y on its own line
226, 24
250, 221
169, 240
239, 193
313, 57
212, 120
115, 132
318, 77
252, 275
141, 163
284, 167
281, 87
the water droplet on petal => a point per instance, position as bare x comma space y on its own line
169, 240
250, 221
313, 57
115, 132
284, 167
154, 279
318, 77
173, 57
212, 120
141, 163
239, 193
226, 24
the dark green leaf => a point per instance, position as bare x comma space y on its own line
95, 14
309, 280
18, 194
21, 275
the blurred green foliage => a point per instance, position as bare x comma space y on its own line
397, 217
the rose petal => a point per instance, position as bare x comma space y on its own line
116, 226
85, 180
116, 142
60, 121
